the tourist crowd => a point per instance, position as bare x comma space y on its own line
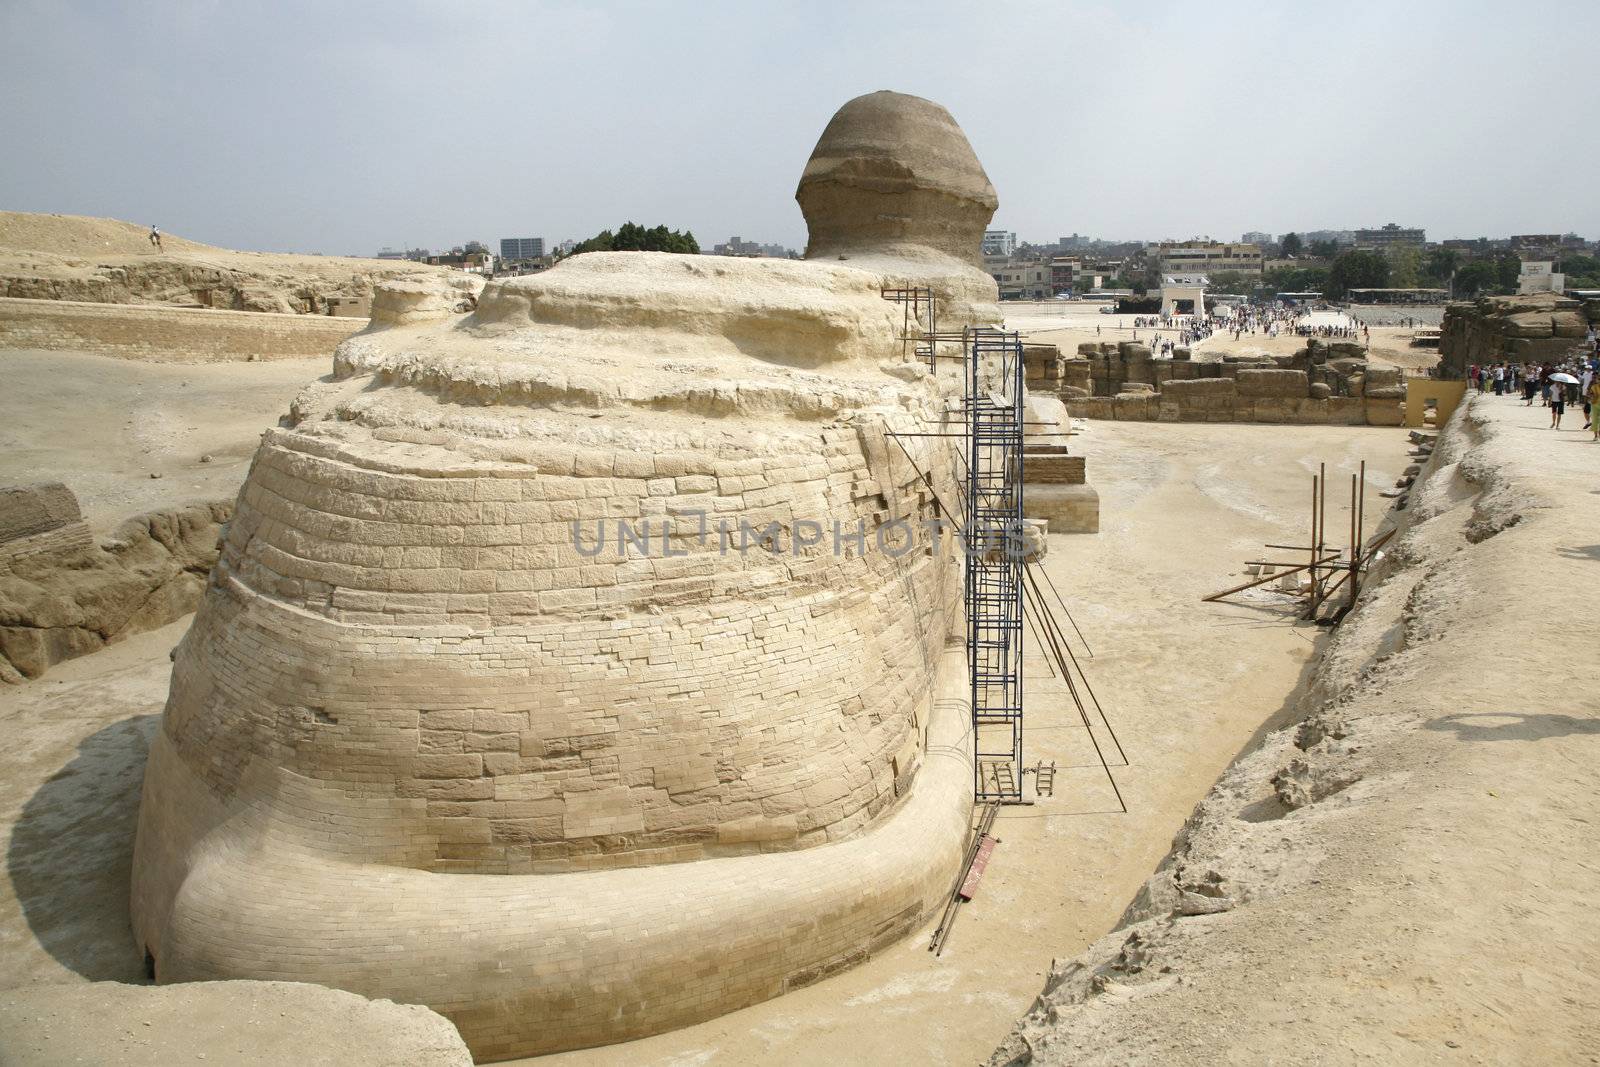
1573, 381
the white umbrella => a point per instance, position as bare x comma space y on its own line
1569, 379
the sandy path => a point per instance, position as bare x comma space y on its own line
103, 425
1186, 685
1434, 903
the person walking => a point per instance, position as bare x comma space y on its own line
1558, 404
155, 237
1591, 406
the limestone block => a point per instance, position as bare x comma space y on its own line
1262, 382
1568, 324
1183, 391
1320, 391
1132, 406
1182, 353
1347, 410
1383, 377
26, 510
1532, 324
1052, 467
1384, 410
1069, 509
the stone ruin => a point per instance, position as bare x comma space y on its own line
441, 733
64, 593
1324, 383
1530, 328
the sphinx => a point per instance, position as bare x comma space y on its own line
578, 664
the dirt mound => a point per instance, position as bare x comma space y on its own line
84, 235
75, 257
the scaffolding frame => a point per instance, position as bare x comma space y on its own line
923, 343
994, 559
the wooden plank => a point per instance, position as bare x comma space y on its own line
975, 871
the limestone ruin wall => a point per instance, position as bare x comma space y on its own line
1530, 328
164, 334
1324, 383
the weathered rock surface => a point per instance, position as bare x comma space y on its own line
1363, 884
249, 1024
1527, 328
74, 257
64, 595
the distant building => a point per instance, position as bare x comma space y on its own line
521, 247
1256, 237
1390, 236
1208, 257
1538, 276
999, 243
352, 307
1183, 294
390, 253
471, 262
737, 246
1023, 281
1064, 273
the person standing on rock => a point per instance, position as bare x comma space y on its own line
155, 237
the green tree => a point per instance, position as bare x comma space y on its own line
1405, 267
1324, 249
1439, 264
1356, 269
1295, 280
1507, 269
1476, 277
1292, 245
631, 237
1583, 272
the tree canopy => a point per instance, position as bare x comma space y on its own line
1292, 244
631, 237
1497, 275
1356, 269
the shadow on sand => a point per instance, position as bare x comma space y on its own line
71, 854
1512, 726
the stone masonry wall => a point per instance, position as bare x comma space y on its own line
1531, 328
160, 334
1324, 383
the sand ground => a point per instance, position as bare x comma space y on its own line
1186, 686
103, 425
1425, 892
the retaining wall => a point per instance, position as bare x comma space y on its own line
163, 334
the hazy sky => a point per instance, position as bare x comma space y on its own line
341, 127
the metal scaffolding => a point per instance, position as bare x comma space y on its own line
994, 559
